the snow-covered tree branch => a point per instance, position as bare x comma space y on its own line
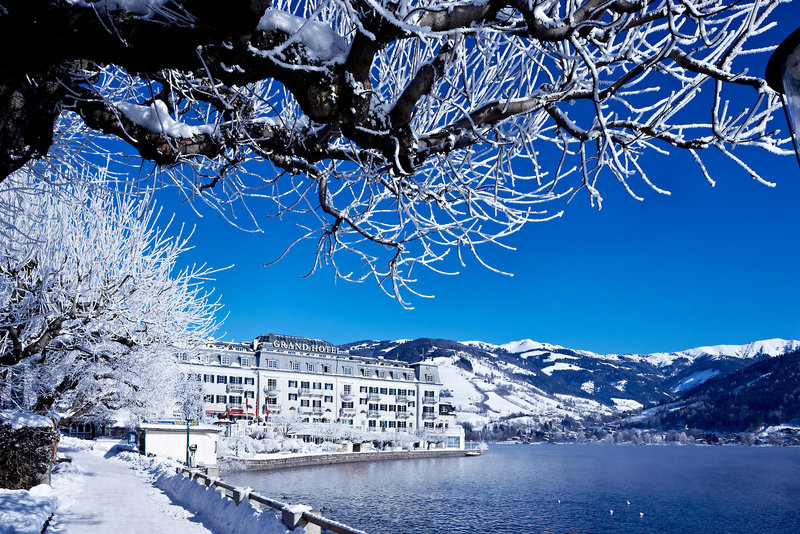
406, 130
92, 303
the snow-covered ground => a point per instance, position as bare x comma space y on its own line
105, 490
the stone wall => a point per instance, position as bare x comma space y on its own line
26, 455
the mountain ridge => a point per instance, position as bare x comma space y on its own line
529, 382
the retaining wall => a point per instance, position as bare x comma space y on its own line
236, 464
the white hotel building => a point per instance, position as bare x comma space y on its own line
276, 374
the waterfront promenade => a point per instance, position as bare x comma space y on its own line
101, 495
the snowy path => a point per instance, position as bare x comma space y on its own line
103, 495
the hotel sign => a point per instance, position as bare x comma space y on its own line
306, 347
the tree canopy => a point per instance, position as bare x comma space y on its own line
93, 303
405, 130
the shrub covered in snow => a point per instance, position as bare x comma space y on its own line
27, 449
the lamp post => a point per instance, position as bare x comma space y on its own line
783, 75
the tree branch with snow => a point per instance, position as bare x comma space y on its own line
401, 132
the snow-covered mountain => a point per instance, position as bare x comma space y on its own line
523, 381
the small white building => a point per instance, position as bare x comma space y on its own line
174, 440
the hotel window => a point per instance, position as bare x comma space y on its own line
411, 404
401, 424
347, 405
222, 379
208, 378
383, 407
392, 424
316, 385
410, 426
347, 421
304, 403
346, 389
392, 391
292, 383
329, 386
392, 408
363, 389
183, 356
221, 399
209, 398
249, 394
245, 362
272, 383
362, 401
381, 374
305, 385
236, 380
295, 366
383, 424
325, 369
272, 364
348, 370
428, 378
235, 399
316, 403
310, 368
383, 391
371, 423
272, 401
249, 381
305, 420
328, 398
428, 425
292, 396
225, 360
373, 407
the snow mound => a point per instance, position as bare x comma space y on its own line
26, 511
22, 419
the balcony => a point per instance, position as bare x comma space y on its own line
429, 415
428, 400
347, 411
402, 415
373, 413
272, 391
235, 406
401, 398
347, 397
373, 397
274, 409
234, 387
304, 391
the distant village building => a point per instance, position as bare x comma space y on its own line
278, 374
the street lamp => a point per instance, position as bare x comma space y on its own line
783, 75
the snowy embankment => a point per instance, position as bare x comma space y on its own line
26, 511
215, 511
106, 488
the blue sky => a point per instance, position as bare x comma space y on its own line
703, 266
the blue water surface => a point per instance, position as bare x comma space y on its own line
517, 488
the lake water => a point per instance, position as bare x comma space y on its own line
516, 488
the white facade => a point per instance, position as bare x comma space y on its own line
285, 375
170, 438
